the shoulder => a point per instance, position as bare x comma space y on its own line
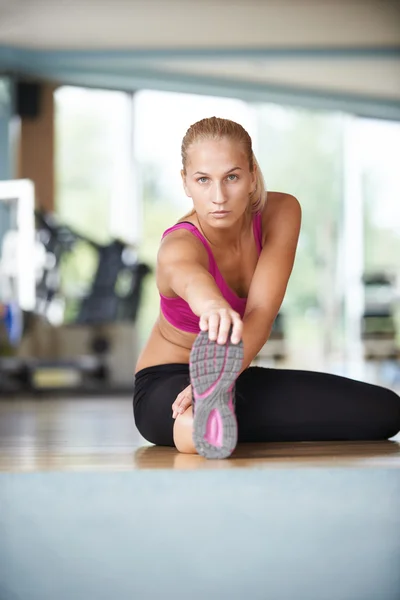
280, 210
181, 245
280, 201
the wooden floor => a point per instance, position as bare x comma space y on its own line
98, 434
89, 510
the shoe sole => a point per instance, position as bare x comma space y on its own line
214, 369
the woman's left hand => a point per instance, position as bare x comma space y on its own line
182, 402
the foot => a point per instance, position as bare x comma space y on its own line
213, 372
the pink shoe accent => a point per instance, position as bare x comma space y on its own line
214, 429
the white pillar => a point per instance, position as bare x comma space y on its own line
17, 248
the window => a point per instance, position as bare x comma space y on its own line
95, 175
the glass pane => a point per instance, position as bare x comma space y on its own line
93, 140
300, 152
380, 147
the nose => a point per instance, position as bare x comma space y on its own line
219, 195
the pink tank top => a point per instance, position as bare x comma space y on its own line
177, 311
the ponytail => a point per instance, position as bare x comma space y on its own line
259, 196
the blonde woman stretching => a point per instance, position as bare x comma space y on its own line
222, 273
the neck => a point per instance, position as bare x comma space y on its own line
223, 238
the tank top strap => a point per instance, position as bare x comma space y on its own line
193, 229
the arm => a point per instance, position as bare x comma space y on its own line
281, 228
182, 270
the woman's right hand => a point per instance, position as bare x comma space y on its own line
218, 320
182, 402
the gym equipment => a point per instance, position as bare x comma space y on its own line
92, 350
378, 322
115, 291
17, 243
11, 320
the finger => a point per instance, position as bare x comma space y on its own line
203, 323
176, 411
182, 397
175, 407
224, 328
184, 405
177, 399
237, 330
213, 326
180, 409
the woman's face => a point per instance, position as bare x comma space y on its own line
219, 181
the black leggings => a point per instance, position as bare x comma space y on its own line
275, 405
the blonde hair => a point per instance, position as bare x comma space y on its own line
215, 128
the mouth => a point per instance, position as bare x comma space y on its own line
220, 212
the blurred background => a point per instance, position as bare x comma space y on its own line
94, 102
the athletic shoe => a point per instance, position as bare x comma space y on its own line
214, 369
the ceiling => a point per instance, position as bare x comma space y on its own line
340, 54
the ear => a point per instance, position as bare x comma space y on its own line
183, 175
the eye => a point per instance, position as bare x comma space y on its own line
202, 179
232, 175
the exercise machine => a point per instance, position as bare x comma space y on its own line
94, 350
379, 334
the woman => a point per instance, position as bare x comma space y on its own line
222, 273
